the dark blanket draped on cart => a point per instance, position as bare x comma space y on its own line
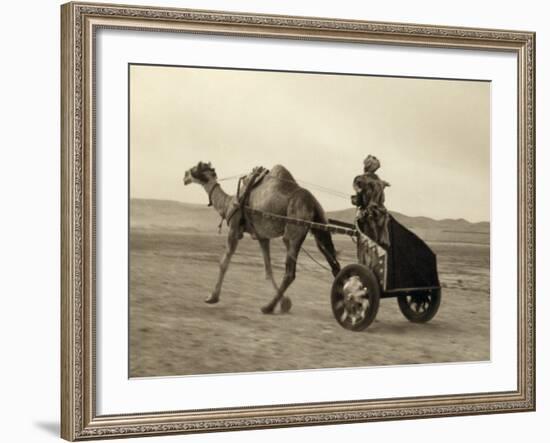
411, 262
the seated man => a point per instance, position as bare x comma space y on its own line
372, 215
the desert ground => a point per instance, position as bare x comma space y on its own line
174, 254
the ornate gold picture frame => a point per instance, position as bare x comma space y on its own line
80, 23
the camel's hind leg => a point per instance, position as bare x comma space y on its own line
264, 245
294, 237
326, 246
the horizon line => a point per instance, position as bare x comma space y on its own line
334, 210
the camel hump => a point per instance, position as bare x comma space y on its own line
281, 172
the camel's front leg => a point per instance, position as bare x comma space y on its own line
264, 244
230, 247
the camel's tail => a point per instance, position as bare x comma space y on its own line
324, 240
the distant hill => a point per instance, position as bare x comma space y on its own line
168, 214
430, 230
198, 218
420, 222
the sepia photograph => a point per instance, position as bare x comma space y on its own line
285, 220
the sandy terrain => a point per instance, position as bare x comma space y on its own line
173, 332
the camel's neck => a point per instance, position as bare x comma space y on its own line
220, 200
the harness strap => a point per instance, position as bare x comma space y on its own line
210, 194
241, 199
255, 179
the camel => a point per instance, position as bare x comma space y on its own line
277, 193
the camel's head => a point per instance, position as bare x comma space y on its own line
202, 173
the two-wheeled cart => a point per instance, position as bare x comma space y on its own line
406, 270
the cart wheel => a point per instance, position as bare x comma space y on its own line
420, 307
355, 297
286, 304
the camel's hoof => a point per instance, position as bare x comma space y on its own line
286, 304
212, 299
268, 309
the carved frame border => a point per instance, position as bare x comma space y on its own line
79, 21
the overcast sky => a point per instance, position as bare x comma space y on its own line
432, 136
